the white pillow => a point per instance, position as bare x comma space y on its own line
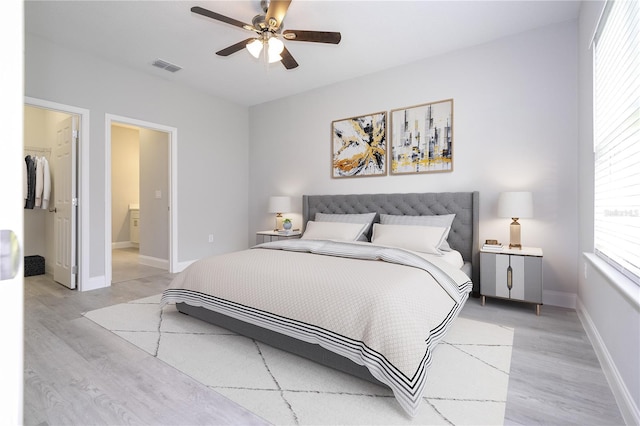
444, 220
333, 231
425, 239
349, 218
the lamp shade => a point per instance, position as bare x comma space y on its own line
279, 204
276, 46
255, 47
515, 204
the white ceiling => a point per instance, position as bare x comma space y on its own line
376, 35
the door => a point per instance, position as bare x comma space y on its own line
12, 166
66, 202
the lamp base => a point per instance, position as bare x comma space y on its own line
279, 220
514, 234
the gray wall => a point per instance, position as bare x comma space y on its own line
515, 128
212, 148
154, 178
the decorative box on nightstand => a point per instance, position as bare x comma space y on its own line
514, 274
268, 236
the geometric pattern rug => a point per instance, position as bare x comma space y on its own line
467, 381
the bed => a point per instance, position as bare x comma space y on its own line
363, 305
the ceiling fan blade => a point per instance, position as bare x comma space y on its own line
277, 9
213, 15
234, 48
287, 60
313, 36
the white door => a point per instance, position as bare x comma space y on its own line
64, 183
12, 166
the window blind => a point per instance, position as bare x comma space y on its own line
617, 137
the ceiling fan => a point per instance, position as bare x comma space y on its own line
268, 33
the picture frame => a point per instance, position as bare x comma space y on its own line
359, 146
422, 138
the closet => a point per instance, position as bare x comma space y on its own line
39, 237
36, 191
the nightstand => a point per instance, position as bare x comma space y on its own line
268, 236
512, 274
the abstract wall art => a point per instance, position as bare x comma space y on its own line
422, 138
359, 146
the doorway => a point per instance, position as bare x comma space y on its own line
55, 234
140, 173
139, 187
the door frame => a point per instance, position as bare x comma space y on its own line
173, 187
82, 254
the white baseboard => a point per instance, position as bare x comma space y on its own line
559, 298
626, 404
153, 261
123, 245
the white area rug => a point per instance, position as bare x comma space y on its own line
467, 382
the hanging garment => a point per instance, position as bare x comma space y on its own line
46, 188
25, 178
31, 182
39, 181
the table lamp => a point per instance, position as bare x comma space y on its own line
279, 205
515, 205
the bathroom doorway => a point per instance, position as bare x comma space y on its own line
141, 191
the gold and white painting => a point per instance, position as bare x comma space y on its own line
422, 138
359, 146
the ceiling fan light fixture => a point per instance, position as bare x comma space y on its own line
268, 27
255, 47
276, 46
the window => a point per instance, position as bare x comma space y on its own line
617, 137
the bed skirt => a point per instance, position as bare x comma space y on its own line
277, 340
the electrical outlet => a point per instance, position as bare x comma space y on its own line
210, 238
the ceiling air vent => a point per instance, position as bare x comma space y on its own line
166, 65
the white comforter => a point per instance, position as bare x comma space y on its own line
381, 307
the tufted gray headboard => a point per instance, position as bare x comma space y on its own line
464, 230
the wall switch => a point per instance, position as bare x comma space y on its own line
210, 238
158, 193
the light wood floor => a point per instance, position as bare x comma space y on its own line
126, 266
78, 373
